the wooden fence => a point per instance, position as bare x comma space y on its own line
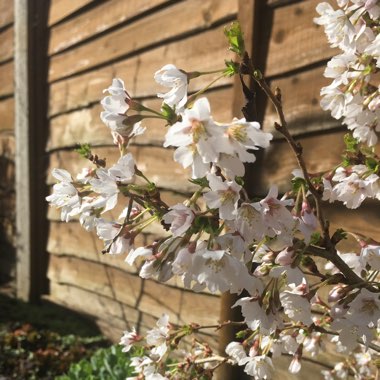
89, 43
7, 148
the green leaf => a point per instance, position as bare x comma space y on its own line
298, 183
231, 69
315, 238
239, 181
169, 113
351, 142
235, 38
84, 150
201, 182
372, 164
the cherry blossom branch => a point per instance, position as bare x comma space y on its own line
348, 273
218, 326
330, 253
215, 358
297, 148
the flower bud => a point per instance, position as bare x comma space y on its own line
337, 293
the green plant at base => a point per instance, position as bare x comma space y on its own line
106, 364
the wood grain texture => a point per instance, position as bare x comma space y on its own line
189, 16
72, 240
112, 317
6, 44
6, 12
301, 103
59, 9
279, 160
295, 40
85, 126
7, 110
202, 52
6, 78
147, 296
96, 20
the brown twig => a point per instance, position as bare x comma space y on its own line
330, 252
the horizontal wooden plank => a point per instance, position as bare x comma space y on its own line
70, 239
6, 12
156, 163
96, 20
6, 44
147, 296
301, 103
99, 307
6, 78
85, 126
137, 72
190, 16
279, 161
7, 107
122, 317
59, 9
294, 39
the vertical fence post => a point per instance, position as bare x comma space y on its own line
30, 135
250, 13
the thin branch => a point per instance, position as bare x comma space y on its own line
215, 358
330, 252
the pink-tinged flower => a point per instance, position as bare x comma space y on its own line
192, 137
224, 195
180, 218
285, 257
307, 221
170, 76
124, 169
276, 218
65, 195
128, 339
337, 293
117, 240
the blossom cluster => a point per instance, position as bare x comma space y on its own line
354, 94
296, 291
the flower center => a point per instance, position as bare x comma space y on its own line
197, 129
237, 132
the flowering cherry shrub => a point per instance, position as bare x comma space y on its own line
300, 291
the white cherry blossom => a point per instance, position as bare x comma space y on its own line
170, 76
